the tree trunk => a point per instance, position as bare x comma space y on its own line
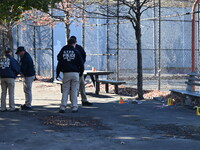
139, 59
67, 32
10, 39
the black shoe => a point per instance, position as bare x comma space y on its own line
4, 110
74, 111
61, 111
24, 107
86, 103
16, 109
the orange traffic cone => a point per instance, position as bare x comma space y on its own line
121, 101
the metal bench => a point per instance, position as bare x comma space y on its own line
193, 80
112, 82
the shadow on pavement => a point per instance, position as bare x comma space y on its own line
111, 125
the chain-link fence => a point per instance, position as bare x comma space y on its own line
111, 45
166, 45
38, 42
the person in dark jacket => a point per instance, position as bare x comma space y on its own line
28, 71
9, 69
82, 81
72, 66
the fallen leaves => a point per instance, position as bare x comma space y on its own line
70, 122
155, 93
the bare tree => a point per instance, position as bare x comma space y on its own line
11, 14
130, 10
65, 11
69, 13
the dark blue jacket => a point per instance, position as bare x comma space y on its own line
27, 66
9, 67
69, 60
82, 52
79, 48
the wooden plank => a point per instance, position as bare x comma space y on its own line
193, 83
97, 84
116, 89
58, 82
193, 79
107, 88
196, 94
178, 91
194, 74
112, 81
89, 72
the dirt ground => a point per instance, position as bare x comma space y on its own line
107, 125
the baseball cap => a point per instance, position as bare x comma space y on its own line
20, 49
73, 37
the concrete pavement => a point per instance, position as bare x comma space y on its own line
107, 125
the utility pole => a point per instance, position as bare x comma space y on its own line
159, 45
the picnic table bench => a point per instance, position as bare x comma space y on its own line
112, 82
193, 81
94, 75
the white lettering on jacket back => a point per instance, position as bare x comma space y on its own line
4, 63
69, 55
